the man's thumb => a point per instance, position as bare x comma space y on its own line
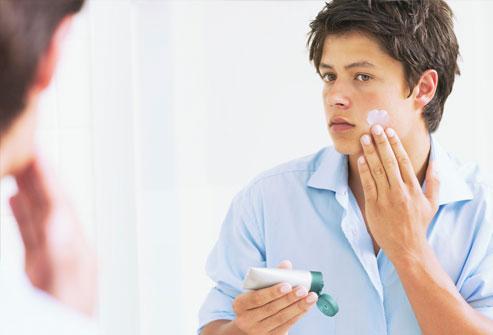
286, 264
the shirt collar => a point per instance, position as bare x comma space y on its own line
453, 185
332, 174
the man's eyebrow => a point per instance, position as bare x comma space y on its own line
349, 66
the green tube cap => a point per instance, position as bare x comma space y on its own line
317, 282
327, 305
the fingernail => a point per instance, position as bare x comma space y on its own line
366, 139
285, 288
361, 160
301, 292
390, 132
377, 129
312, 297
285, 264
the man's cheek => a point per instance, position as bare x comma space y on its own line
378, 116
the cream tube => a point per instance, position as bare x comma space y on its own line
259, 278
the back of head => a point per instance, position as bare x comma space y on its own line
26, 28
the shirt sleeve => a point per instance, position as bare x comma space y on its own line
240, 246
477, 288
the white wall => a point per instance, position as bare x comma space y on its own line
161, 111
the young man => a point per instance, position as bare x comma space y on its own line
58, 261
402, 231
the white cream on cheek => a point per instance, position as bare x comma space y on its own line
378, 116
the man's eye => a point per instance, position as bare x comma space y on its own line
328, 77
363, 77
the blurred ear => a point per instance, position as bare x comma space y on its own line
49, 60
425, 89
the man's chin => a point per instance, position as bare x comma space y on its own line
349, 148
15, 163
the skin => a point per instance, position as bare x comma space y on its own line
386, 170
273, 310
17, 143
352, 88
398, 214
58, 259
386, 181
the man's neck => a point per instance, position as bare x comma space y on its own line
418, 150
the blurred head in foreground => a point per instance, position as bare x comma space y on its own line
31, 33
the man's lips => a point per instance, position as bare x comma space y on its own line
339, 124
338, 127
338, 121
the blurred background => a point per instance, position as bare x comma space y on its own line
161, 111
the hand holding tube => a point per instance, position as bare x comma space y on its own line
272, 310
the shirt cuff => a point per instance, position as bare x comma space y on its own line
217, 306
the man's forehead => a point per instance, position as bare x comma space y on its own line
352, 48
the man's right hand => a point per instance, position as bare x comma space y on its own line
273, 310
58, 259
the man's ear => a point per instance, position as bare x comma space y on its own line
426, 88
49, 60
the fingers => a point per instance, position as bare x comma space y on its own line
387, 160
20, 206
42, 200
276, 306
285, 318
259, 298
36, 181
31, 199
369, 187
272, 310
25, 185
252, 300
286, 264
375, 165
387, 156
405, 166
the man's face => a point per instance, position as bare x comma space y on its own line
17, 144
359, 77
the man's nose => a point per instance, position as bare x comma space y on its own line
337, 96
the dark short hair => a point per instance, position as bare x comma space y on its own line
26, 29
417, 33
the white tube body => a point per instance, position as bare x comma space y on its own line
258, 278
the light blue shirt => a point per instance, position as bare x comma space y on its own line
304, 211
